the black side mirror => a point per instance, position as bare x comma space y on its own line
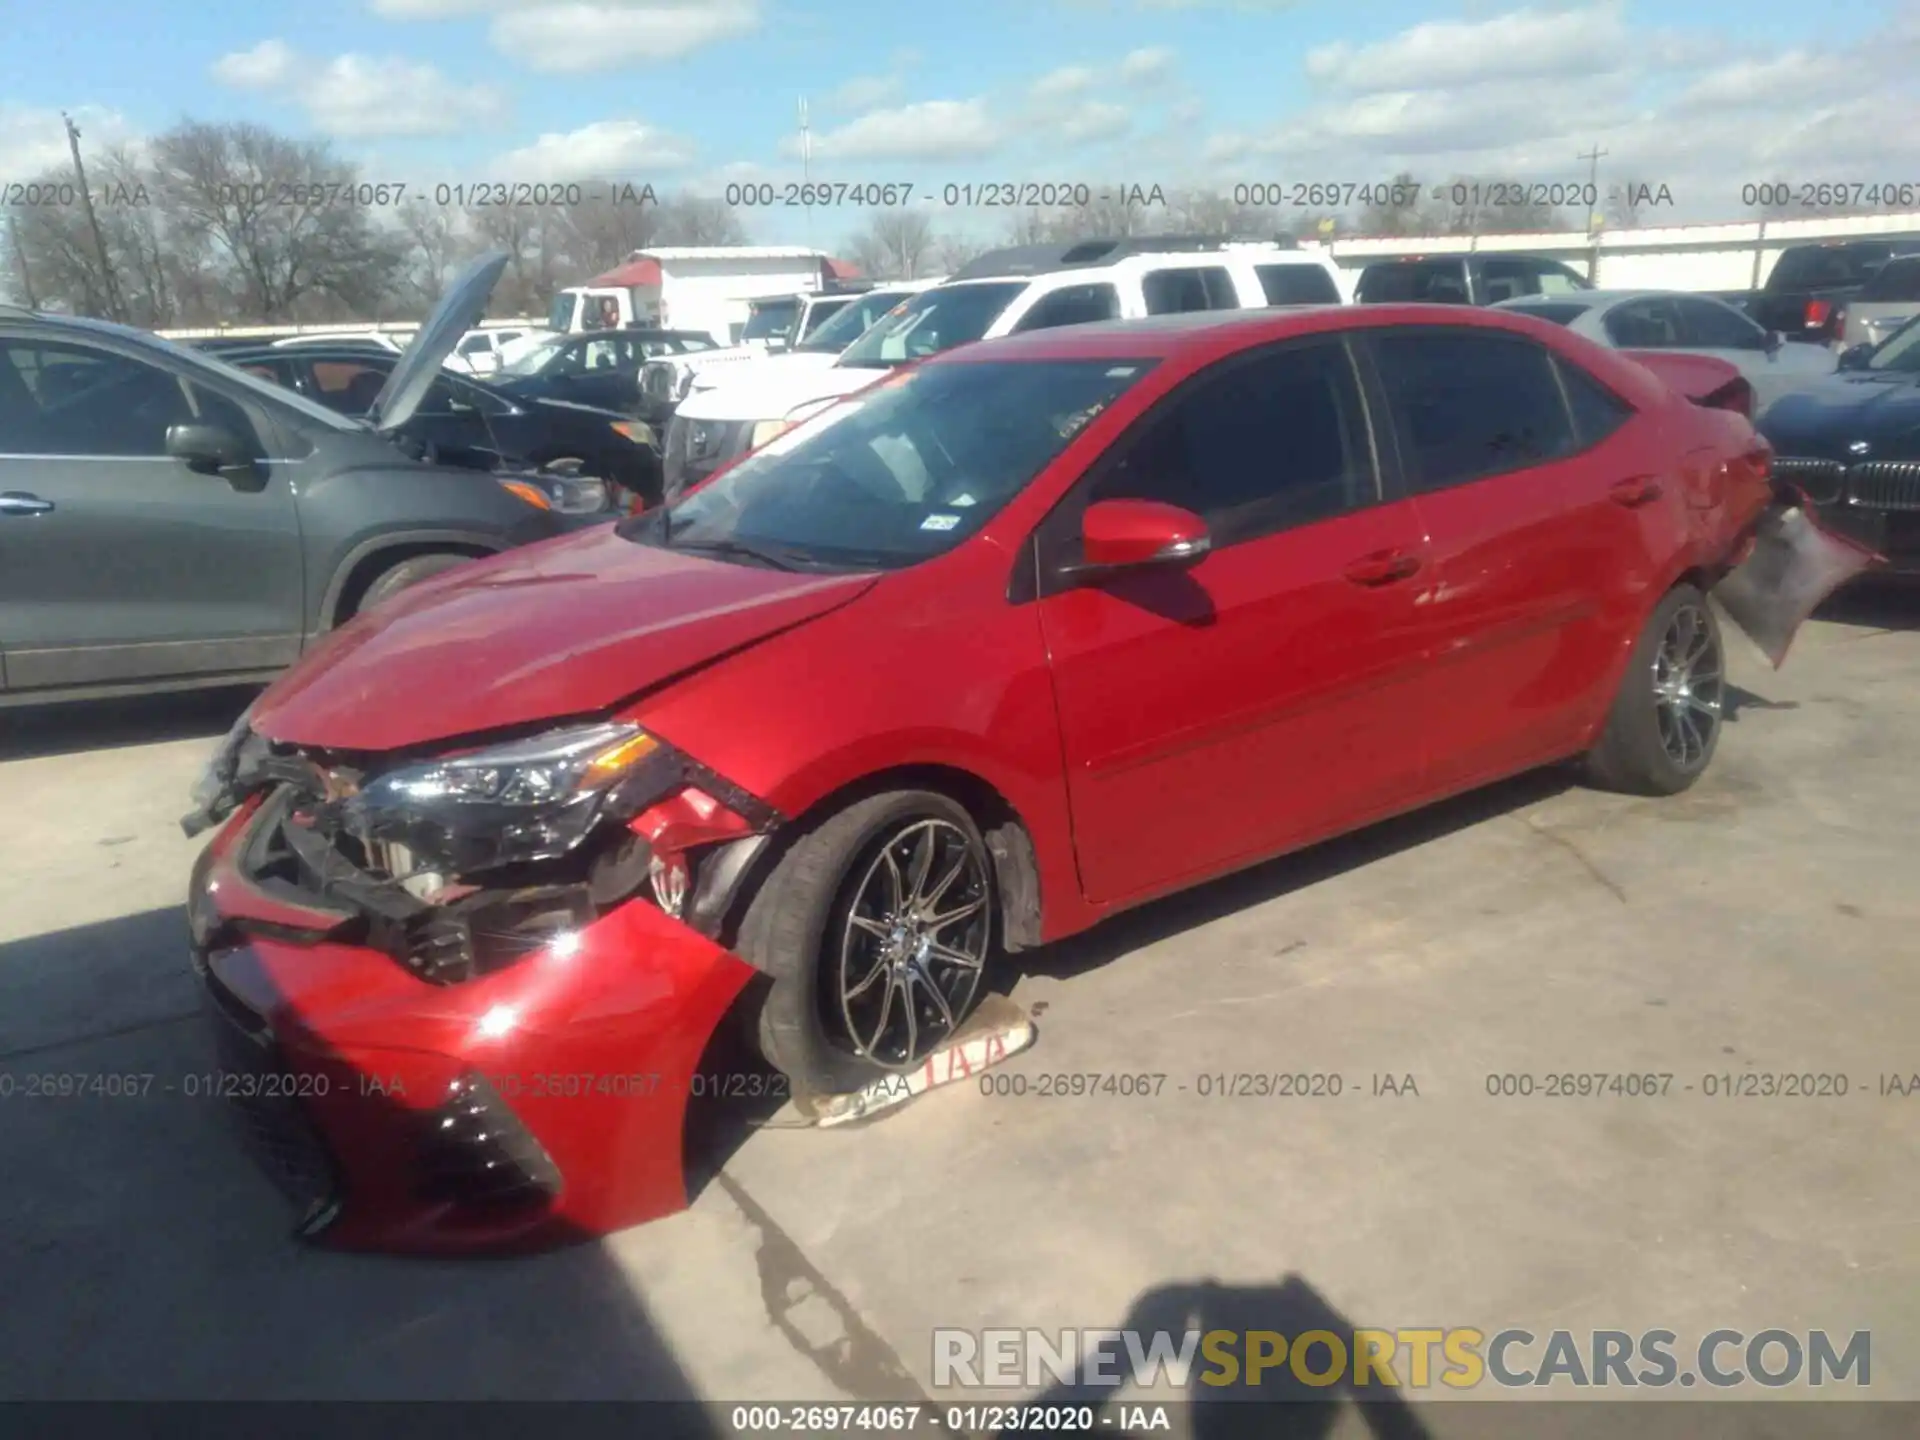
211, 450
1855, 357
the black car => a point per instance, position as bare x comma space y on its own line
1851, 442
601, 367
465, 422
1464, 279
1806, 292
168, 521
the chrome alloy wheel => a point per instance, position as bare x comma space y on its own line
913, 944
1689, 687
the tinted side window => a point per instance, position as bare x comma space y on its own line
349, 386
70, 400
1074, 305
1472, 405
1258, 445
1643, 325
1429, 282
1506, 280
1168, 292
1715, 327
1597, 411
1297, 285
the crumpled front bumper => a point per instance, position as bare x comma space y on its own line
541, 1103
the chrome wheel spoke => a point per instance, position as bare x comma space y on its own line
939, 891
876, 928
913, 1025
937, 923
939, 999
922, 866
872, 1047
878, 968
951, 956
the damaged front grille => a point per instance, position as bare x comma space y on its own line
474, 1152
464, 932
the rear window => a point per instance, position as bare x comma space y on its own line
1297, 285
1172, 292
1431, 282
1552, 314
1820, 267
1897, 280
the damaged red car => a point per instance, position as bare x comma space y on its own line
1014, 639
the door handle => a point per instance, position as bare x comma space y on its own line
19, 502
1383, 567
1640, 490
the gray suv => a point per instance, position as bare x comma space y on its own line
167, 521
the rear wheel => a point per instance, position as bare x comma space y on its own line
1665, 722
876, 926
395, 578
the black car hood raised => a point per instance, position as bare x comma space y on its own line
1829, 417
413, 374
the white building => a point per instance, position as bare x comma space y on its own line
696, 287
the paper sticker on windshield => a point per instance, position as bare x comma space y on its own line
964, 500
939, 522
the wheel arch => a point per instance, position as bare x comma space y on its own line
1009, 837
364, 562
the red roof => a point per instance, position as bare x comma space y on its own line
842, 270
633, 272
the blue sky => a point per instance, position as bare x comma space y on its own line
698, 93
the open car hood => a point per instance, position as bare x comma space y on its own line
413, 374
562, 628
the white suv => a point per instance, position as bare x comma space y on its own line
1004, 291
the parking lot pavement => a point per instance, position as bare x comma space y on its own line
1763, 923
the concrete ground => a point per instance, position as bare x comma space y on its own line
1765, 922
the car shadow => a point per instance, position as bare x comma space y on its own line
1188, 910
147, 1258
1224, 1405
33, 731
1874, 603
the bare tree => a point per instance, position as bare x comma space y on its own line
1208, 212
282, 217
1401, 207
953, 251
895, 245
1029, 227
698, 220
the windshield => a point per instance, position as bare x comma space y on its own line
561, 316
1900, 351
899, 473
852, 322
1433, 281
932, 321
771, 320
533, 361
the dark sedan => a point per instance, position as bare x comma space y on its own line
469, 423
1851, 441
598, 368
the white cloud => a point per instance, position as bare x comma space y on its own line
1147, 65
606, 149
1067, 80
580, 36
34, 141
929, 130
1094, 120
267, 64
360, 96
1520, 95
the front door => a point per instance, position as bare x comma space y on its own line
1260, 699
117, 562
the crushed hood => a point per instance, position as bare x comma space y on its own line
557, 629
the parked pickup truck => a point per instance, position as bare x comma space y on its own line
1885, 302
1807, 292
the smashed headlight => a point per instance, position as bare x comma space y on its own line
512, 804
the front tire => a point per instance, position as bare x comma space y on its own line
1665, 723
876, 926
394, 579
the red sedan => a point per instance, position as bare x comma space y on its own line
1012, 640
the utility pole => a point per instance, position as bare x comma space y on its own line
114, 311
806, 164
1592, 157
20, 260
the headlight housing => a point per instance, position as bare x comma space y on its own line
766, 431
578, 494
686, 383
517, 803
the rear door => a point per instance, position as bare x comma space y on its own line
1175, 289
117, 562
608, 374
1283, 284
1532, 494
1264, 697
